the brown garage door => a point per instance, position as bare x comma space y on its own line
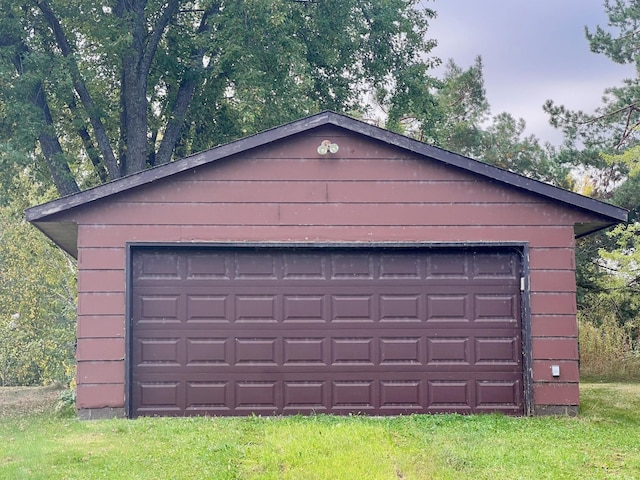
221, 331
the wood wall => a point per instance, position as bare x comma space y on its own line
287, 192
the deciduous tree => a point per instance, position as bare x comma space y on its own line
37, 299
94, 91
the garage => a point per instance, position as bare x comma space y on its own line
271, 275
236, 331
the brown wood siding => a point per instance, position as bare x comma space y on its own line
556, 393
208, 191
99, 394
101, 280
287, 193
553, 303
542, 369
101, 303
109, 372
101, 326
115, 236
552, 258
553, 280
554, 325
102, 258
96, 349
343, 214
550, 348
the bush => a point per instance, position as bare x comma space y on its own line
38, 305
66, 405
607, 351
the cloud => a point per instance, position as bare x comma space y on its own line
531, 51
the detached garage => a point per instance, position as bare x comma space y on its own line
325, 266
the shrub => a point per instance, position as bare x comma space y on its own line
607, 351
37, 305
66, 405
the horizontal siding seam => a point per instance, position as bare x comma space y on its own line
322, 225
84, 384
323, 203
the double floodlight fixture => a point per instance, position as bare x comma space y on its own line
327, 147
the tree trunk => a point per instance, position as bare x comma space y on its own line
49, 144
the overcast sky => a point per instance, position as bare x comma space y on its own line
532, 50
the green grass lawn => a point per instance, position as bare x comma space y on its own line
603, 442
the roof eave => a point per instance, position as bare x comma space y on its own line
63, 234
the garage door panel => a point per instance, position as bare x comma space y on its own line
447, 265
448, 307
401, 266
401, 307
207, 267
305, 396
208, 351
503, 266
352, 308
496, 307
305, 351
207, 308
304, 308
158, 351
405, 394
401, 351
499, 395
396, 393
353, 351
256, 308
159, 396
310, 267
208, 396
447, 351
256, 395
158, 308
497, 350
256, 352
353, 395
352, 266
251, 266
450, 394
158, 266
340, 349
226, 332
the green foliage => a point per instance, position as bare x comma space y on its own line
613, 127
38, 298
454, 113
95, 91
66, 406
603, 147
609, 277
607, 349
464, 110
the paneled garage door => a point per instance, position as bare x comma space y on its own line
235, 331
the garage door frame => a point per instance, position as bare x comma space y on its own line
521, 248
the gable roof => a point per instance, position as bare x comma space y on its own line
65, 234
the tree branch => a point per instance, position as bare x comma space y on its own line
89, 147
51, 148
100, 132
49, 143
156, 35
186, 90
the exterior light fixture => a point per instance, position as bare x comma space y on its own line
326, 146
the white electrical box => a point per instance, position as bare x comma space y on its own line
555, 370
